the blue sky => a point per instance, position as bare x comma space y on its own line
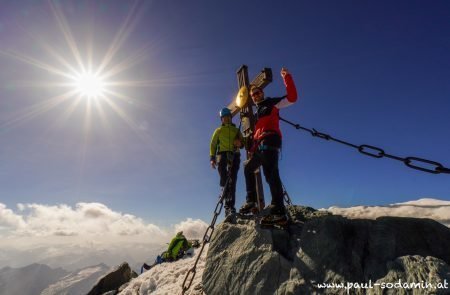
369, 73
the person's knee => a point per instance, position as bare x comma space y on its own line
222, 170
235, 170
274, 180
269, 173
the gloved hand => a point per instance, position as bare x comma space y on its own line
284, 72
237, 143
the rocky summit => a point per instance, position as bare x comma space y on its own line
112, 282
320, 253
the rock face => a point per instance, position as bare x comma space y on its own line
111, 282
321, 248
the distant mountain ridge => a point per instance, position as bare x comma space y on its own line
37, 279
31, 279
73, 257
77, 282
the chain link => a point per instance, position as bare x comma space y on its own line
375, 152
189, 278
190, 275
287, 198
365, 149
409, 161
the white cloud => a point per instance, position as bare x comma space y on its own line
85, 220
89, 229
438, 210
192, 229
8, 219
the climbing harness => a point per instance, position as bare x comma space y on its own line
375, 152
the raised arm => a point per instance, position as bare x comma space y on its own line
291, 90
290, 85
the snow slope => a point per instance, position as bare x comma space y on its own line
167, 278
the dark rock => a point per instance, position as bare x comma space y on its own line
416, 269
111, 282
322, 248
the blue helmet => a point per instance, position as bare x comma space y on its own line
225, 112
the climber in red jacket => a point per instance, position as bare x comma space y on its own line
267, 143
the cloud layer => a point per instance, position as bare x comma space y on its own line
438, 210
85, 220
87, 231
90, 233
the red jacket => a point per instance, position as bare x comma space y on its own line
267, 111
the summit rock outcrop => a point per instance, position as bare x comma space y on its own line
319, 248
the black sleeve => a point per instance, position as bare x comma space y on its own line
275, 100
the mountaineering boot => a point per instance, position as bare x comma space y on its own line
277, 216
146, 267
227, 211
274, 220
230, 215
248, 207
269, 208
276, 209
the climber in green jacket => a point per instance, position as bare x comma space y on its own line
224, 153
177, 248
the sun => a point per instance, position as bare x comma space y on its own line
89, 85
93, 80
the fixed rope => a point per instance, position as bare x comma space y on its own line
375, 152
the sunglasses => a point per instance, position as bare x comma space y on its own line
256, 93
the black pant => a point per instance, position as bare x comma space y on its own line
269, 161
222, 167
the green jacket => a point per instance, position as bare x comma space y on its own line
177, 246
223, 139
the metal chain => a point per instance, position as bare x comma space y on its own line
208, 233
375, 152
287, 198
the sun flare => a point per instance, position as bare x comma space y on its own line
89, 85
91, 80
